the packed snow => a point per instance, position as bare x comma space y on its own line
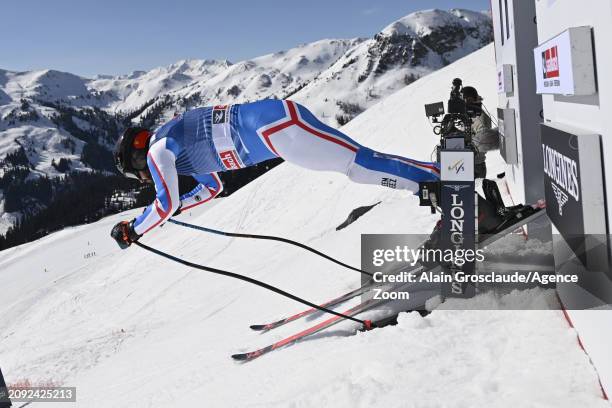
130, 329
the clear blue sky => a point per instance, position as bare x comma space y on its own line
88, 37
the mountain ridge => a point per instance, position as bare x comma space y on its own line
63, 122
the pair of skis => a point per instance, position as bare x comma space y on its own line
353, 311
266, 327
362, 307
336, 301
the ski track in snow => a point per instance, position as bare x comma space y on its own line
130, 329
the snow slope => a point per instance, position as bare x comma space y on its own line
130, 329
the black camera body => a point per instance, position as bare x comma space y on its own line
456, 104
455, 128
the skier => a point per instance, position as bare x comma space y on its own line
206, 140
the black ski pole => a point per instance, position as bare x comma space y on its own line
264, 285
269, 238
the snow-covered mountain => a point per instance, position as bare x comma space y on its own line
211, 82
402, 52
129, 329
53, 122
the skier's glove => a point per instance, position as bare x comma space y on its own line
124, 234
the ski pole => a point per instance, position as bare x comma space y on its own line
270, 238
365, 323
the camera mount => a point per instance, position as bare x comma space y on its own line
454, 194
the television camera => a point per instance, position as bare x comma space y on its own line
455, 128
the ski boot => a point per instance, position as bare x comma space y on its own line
494, 216
490, 214
493, 196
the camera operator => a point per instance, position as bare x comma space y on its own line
485, 138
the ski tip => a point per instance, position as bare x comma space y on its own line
244, 357
240, 357
258, 327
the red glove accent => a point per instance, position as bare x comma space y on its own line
124, 234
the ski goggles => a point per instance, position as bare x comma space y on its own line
139, 160
137, 163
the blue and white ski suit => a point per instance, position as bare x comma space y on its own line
204, 141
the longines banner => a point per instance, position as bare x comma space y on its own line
573, 185
458, 224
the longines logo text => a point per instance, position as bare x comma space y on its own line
562, 169
457, 221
